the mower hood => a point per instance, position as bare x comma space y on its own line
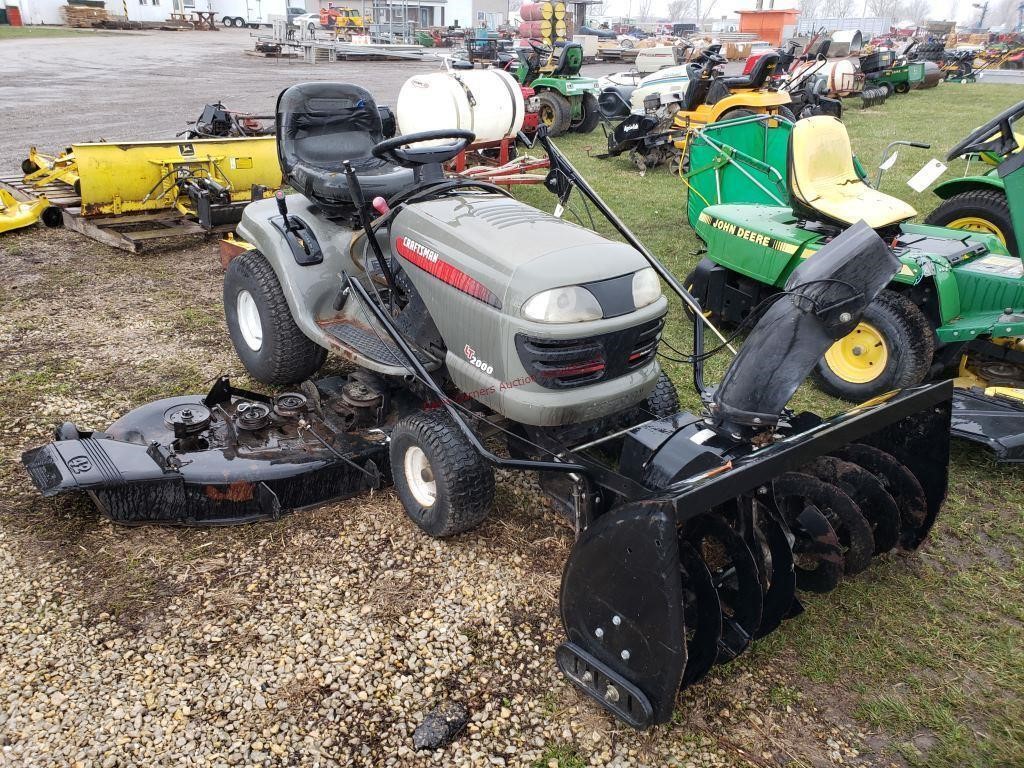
823, 301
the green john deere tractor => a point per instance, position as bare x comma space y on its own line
567, 102
993, 201
763, 199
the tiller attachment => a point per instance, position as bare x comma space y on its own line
751, 502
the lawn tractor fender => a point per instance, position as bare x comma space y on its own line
761, 101
311, 286
947, 189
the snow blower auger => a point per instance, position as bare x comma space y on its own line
468, 316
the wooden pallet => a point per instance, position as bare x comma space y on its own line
57, 192
135, 232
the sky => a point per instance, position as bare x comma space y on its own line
941, 9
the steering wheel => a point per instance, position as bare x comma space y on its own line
411, 157
540, 50
994, 136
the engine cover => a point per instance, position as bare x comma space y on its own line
476, 258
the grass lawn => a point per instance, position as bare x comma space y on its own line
18, 33
927, 649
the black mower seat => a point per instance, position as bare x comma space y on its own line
763, 67
824, 185
569, 61
319, 127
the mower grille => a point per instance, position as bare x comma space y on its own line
565, 363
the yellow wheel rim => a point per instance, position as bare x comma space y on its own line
547, 115
860, 356
977, 224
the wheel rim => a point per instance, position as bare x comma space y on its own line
419, 476
547, 115
249, 321
977, 224
860, 356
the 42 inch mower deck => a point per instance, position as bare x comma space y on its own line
694, 531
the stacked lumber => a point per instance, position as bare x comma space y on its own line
83, 16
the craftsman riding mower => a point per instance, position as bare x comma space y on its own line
763, 198
661, 133
471, 323
568, 102
992, 202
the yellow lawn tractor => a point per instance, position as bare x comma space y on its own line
662, 131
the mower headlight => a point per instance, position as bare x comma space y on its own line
571, 304
646, 287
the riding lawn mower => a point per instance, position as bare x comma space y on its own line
764, 198
480, 333
992, 202
660, 134
567, 101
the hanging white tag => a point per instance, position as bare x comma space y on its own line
924, 178
889, 161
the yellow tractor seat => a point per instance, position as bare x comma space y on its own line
823, 181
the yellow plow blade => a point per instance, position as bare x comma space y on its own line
123, 177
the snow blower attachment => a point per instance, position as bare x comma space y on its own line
694, 530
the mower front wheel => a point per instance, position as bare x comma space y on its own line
901, 88
978, 210
891, 347
444, 484
555, 112
266, 338
664, 399
591, 115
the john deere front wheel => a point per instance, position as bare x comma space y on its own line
979, 210
891, 347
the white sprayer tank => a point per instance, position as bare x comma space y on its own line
487, 102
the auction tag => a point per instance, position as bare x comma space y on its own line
924, 178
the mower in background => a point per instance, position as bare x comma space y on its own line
467, 318
565, 100
897, 74
992, 202
661, 133
764, 198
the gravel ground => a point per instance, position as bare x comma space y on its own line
323, 639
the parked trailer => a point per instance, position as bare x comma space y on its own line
252, 13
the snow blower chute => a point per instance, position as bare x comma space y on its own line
694, 530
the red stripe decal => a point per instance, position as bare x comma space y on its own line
431, 262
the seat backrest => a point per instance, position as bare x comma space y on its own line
570, 60
819, 154
696, 87
764, 66
323, 124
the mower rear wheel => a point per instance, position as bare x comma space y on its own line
979, 210
734, 114
444, 484
891, 347
591, 115
555, 112
787, 113
266, 338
